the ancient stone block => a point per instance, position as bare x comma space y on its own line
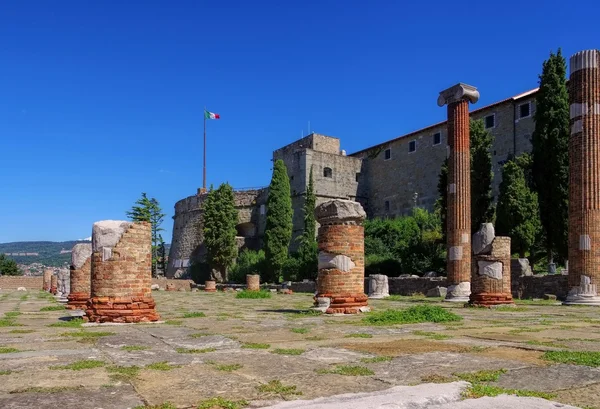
378, 286
483, 238
253, 282
437, 292
47, 283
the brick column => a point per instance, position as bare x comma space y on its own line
121, 273
458, 217
53, 284
81, 271
47, 280
340, 283
584, 179
253, 282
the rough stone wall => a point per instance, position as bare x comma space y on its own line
187, 285
14, 282
81, 278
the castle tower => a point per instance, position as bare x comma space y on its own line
458, 217
584, 178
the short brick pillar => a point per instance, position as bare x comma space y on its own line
54, 284
584, 179
47, 283
252, 282
121, 273
490, 278
81, 272
340, 283
210, 286
458, 216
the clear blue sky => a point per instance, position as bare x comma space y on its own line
100, 101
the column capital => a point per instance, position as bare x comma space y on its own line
458, 92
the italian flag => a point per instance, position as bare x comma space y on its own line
211, 115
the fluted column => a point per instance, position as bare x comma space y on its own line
458, 217
584, 178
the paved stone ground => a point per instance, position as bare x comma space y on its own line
222, 365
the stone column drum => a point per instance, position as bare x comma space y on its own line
252, 282
490, 279
54, 284
47, 280
210, 286
81, 271
584, 179
378, 286
458, 217
121, 273
341, 257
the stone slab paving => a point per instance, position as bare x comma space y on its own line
194, 359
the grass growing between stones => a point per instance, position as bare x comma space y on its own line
196, 314
229, 368
435, 378
277, 388
80, 365
173, 322
479, 390
87, 334
52, 389
12, 314
6, 372
586, 358
53, 308
253, 294
131, 348
546, 344
9, 322
348, 370
123, 373
221, 403
480, 376
8, 350
300, 330
411, 315
290, 351
72, 323
358, 335
432, 335
162, 366
315, 338
166, 405
195, 351
252, 345
21, 331
376, 359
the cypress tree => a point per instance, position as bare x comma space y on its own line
551, 154
482, 201
149, 210
518, 210
308, 251
219, 220
278, 230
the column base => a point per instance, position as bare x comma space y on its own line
53, 290
77, 301
582, 299
584, 294
459, 292
210, 290
341, 303
490, 299
121, 309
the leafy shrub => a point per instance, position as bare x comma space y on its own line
248, 262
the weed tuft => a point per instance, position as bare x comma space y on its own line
290, 351
162, 366
276, 387
253, 294
586, 358
376, 359
221, 403
196, 314
251, 345
349, 370
53, 308
358, 335
80, 365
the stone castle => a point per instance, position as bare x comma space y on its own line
388, 179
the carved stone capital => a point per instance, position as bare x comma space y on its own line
458, 92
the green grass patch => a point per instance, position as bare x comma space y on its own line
21, 331
520, 330
479, 390
9, 322
300, 330
52, 389
315, 338
480, 376
53, 308
348, 370
222, 403
8, 350
72, 323
162, 366
7, 372
252, 345
87, 334
253, 294
411, 315
24, 297
546, 344
376, 359
195, 351
586, 358
123, 372
290, 351
432, 335
508, 308
196, 314
131, 348
80, 365
173, 322
166, 405
229, 368
358, 335
276, 387
434, 378
12, 314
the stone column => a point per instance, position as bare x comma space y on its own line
81, 271
121, 273
378, 286
252, 282
210, 286
584, 179
458, 217
47, 280
53, 284
340, 283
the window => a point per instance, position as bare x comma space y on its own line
525, 110
327, 172
490, 121
387, 154
387, 206
357, 176
437, 138
412, 146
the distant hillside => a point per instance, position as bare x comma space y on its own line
49, 253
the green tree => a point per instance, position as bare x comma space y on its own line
278, 230
518, 209
148, 210
482, 201
8, 267
551, 154
219, 221
308, 249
